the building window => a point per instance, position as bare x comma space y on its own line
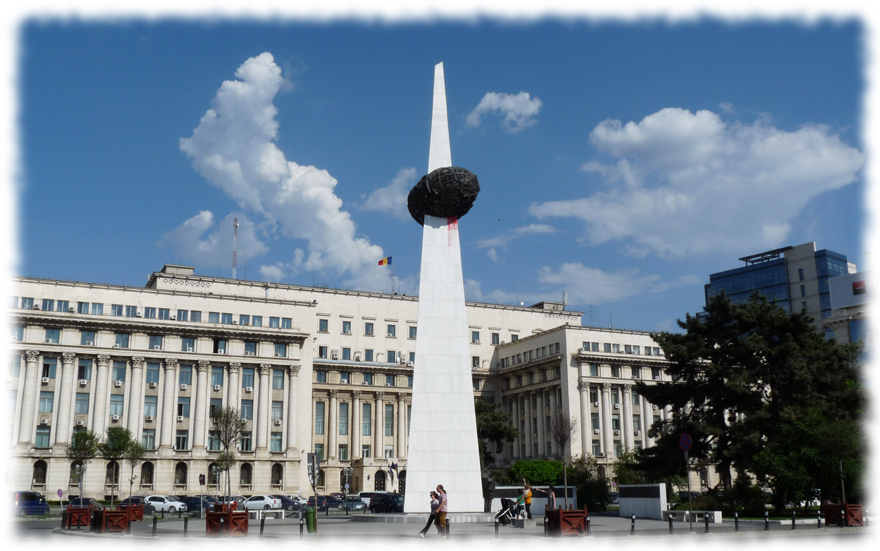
637, 422
195, 316
635, 398
655, 373
343, 452
277, 471
42, 440
368, 355
118, 371
412, 357
803, 290
27, 303
319, 456
343, 418
475, 337
627, 349
636, 349
657, 351
392, 330
244, 443
46, 401
412, 331
274, 322
82, 403
87, 338
17, 333
476, 384
368, 329
164, 313
606, 347
346, 328
323, 325
618, 448
219, 346
615, 348
615, 371
319, 417
594, 421
152, 373
116, 310
226, 319
321, 376
183, 315
286, 323
496, 338
247, 377
277, 379
151, 405
187, 344
183, 406
244, 319
597, 449
213, 441
389, 380
122, 340
148, 441
391, 356
801, 274
365, 451
213, 317
180, 443
409, 381
475, 362
215, 407
117, 404
48, 305
322, 352
615, 395
366, 420
368, 378
53, 335
280, 350
216, 376
247, 410
185, 377
275, 442
155, 342
615, 421
514, 338
277, 409
345, 378
81, 307
408, 417
389, 420
250, 348
149, 313
257, 321
594, 370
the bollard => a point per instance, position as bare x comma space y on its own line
818, 519
327, 514
792, 521
706, 522
671, 518
301, 521
866, 518
632, 525
766, 520
155, 522
262, 524
163, 514
546, 533
179, 513
842, 518
588, 525
497, 535
736, 522
185, 526
447, 528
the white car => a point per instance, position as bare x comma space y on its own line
262, 502
165, 503
298, 499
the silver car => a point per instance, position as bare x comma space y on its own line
262, 502
166, 503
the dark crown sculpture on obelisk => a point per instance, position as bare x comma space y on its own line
443, 445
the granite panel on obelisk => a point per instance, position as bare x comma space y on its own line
443, 445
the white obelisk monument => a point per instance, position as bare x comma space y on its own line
443, 431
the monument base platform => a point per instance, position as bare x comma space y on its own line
422, 518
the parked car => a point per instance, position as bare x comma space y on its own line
322, 502
354, 503
287, 504
262, 502
30, 503
366, 496
139, 500
194, 502
238, 500
614, 498
386, 503
683, 495
298, 499
85, 502
166, 503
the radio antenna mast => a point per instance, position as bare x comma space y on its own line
234, 244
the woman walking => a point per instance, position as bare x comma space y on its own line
442, 508
435, 502
527, 497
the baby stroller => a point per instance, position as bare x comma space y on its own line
507, 513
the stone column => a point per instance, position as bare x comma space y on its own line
201, 397
29, 397
100, 419
401, 425
169, 419
263, 407
530, 425
379, 436
607, 433
234, 369
554, 415
292, 378
518, 415
586, 424
356, 422
627, 418
135, 413
68, 372
542, 419
333, 428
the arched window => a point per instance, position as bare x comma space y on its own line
147, 473
246, 471
40, 472
379, 482
277, 473
112, 476
213, 474
180, 474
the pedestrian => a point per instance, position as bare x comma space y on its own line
442, 509
551, 497
527, 498
518, 506
435, 502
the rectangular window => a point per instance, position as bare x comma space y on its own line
323, 325
257, 321
597, 448
475, 362
636, 349
183, 406
319, 452
346, 328
391, 356
368, 355
213, 441
618, 448
82, 307
412, 357
801, 274
803, 290
389, 420
637, 422
164, 313
247, 377
322, 352
412, 332
657, 351
97, 309
366, 420
496, 338
389, 451
250, 348
286, 323
46, 401
346, 353
594, 421
615, 348
627, 349
149, 313
148, 440
365, 451
392, 330
82, 403
27, 303
215, 407
181, 440
368, 329
594, 370
321, 376
216, 376
594, 347
151, 405
213, 317
48, 305
122, 340
117, 404
615, 371
244, 443
277, 409
475, 337
615, 421
195, 316
244, 319
274, 322
409, 381
186, 375
389, 380
183, 315
187, 344
345, 378
514, 338
408, 417
343, 418
368, 378
247, 410
63, 306
655, 373
42, 440
277, 379
155, 342
152, 372
118, 371
275, 442
635, 398
280, 350
343, 452
226, 319
606, 347
49, 365
13, 303
319, 417
17, 333
53, 335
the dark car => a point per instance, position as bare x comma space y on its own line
354, 503
287, 504
139, 500
683, 495
193, 503
386, 503
322, 502
85, 502
30, 503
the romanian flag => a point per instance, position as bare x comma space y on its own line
385, 261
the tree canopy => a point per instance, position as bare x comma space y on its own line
493, 427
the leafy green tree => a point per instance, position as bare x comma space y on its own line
82, 450
537, 471
626, 470
113, 449
593, 487
493, 427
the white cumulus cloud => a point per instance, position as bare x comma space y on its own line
391, 199
202, 241
506, 238
587, 285
688, 183
518, 110
234, 148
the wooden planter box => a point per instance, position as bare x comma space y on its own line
77, 516
107, 521
135, 512
570, 522
853, 515
231, 523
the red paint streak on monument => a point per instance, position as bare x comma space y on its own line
451, 225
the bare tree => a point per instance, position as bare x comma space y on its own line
561, 429
228, 425
135, 453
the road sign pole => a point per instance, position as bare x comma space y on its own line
687, 474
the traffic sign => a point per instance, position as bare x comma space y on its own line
346, 486
80, 485
60, 493
202, 479
685, 442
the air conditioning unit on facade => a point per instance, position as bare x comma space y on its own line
655, 406
180, 418
13, 338
616, 406
390, 335
45, 380
247, 323
153, 385
183, 387
582, 350
217, 388
234, 322
71, 309
36, 306
334, 354
115, 346
595, 431
409, 364
157, 347
90, 343
148, 418
389, 384
44, 421
140, 313
117, 384
249, 389
80, 423
115, 418
277, 422
357, 356
600, 454
172, 317
48, 341
83, 382
636, 433
365, 383
595, 404
189, 348
248, 352
617, 433
656, 377
277, 355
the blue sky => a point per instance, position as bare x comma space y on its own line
619, 162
